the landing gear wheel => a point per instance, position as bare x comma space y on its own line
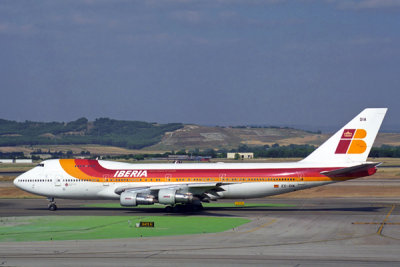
168, 209
198, 207
176, 208
52, 207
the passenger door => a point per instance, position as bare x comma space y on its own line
57, 180
300, 176
106, 180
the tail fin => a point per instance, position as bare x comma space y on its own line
353, 142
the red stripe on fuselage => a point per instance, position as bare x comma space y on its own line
94, 169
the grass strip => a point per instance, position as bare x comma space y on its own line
47, 228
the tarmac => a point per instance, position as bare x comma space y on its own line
321, 232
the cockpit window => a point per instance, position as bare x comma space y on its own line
40, 165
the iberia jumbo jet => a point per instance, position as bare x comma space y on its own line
340, 158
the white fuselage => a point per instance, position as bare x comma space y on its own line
51, 180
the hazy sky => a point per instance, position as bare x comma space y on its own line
214, 62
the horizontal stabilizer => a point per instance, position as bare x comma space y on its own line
354, 171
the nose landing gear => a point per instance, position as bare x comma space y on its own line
52, 205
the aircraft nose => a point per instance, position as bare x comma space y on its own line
17, 180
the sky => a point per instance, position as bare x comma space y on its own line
210, 62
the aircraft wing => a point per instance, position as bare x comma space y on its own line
194, 188
353, 171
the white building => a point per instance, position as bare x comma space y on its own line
21, 161
243, 155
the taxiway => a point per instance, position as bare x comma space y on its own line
323, 232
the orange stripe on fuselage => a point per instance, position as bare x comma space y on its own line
69, 166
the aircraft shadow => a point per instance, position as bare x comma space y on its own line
211, 211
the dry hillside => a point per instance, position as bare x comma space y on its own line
203, 137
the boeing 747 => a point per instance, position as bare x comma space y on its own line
340, 158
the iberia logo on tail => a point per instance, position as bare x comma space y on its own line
352, 142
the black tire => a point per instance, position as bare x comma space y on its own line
168, 209
200, 207
177, 208
52, 207
197, 207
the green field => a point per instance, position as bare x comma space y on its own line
47, 228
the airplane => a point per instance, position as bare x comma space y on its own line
342, 157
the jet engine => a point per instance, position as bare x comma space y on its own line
128, 198
165, 196
171, 197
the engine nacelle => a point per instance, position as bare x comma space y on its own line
133, 199
170, 197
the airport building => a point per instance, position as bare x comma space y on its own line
16, 161
242, 155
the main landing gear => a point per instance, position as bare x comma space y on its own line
52, 205
183, 208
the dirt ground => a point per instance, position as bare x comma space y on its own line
13, 192
329, 191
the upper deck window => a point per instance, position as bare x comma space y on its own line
85, 166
